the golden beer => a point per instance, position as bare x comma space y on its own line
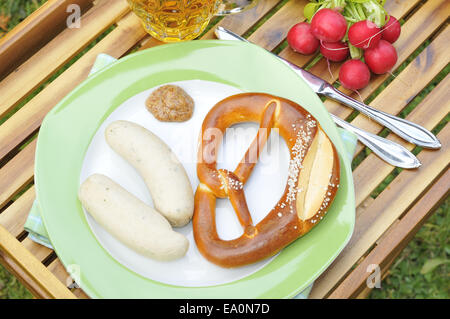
179, 20
174, 20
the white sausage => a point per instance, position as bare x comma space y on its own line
130, 220
162, 172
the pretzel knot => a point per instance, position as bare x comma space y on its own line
313, 178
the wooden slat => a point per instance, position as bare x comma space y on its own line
387, 233
57, 268
34, 32
428, 114
22, 276
39, 251
57, 52
400, 8
17, 173
363, 206
20, 261
240, 23
274, 30
29, 117
386, 208
14, 217
397, 239
429, 110
384, 273
80, 293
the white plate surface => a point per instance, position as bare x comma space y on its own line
262, 190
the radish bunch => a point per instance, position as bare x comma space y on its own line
359, 29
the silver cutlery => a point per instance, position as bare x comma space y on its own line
407, 130
391, 152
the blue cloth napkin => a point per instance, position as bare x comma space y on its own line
36, 229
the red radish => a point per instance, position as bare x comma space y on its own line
382, 58
300, 39
354, 74
328, 25
334, 51
391, 30
364, 34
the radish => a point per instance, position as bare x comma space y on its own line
382, 58
391, 30
328, 25
301, 40
354, 74
334, 51
364, 34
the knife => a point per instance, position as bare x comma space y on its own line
407, 130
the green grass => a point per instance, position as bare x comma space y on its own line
11, 288
13, 12
17, 10
421, 270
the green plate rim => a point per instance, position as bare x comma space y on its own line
178, 53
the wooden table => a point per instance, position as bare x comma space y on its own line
36, 50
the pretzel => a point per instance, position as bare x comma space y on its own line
313, 179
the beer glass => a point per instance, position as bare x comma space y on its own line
180, 20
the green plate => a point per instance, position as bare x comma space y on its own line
68, 129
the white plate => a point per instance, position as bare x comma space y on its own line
262, 190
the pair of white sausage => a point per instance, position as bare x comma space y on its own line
137, 225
